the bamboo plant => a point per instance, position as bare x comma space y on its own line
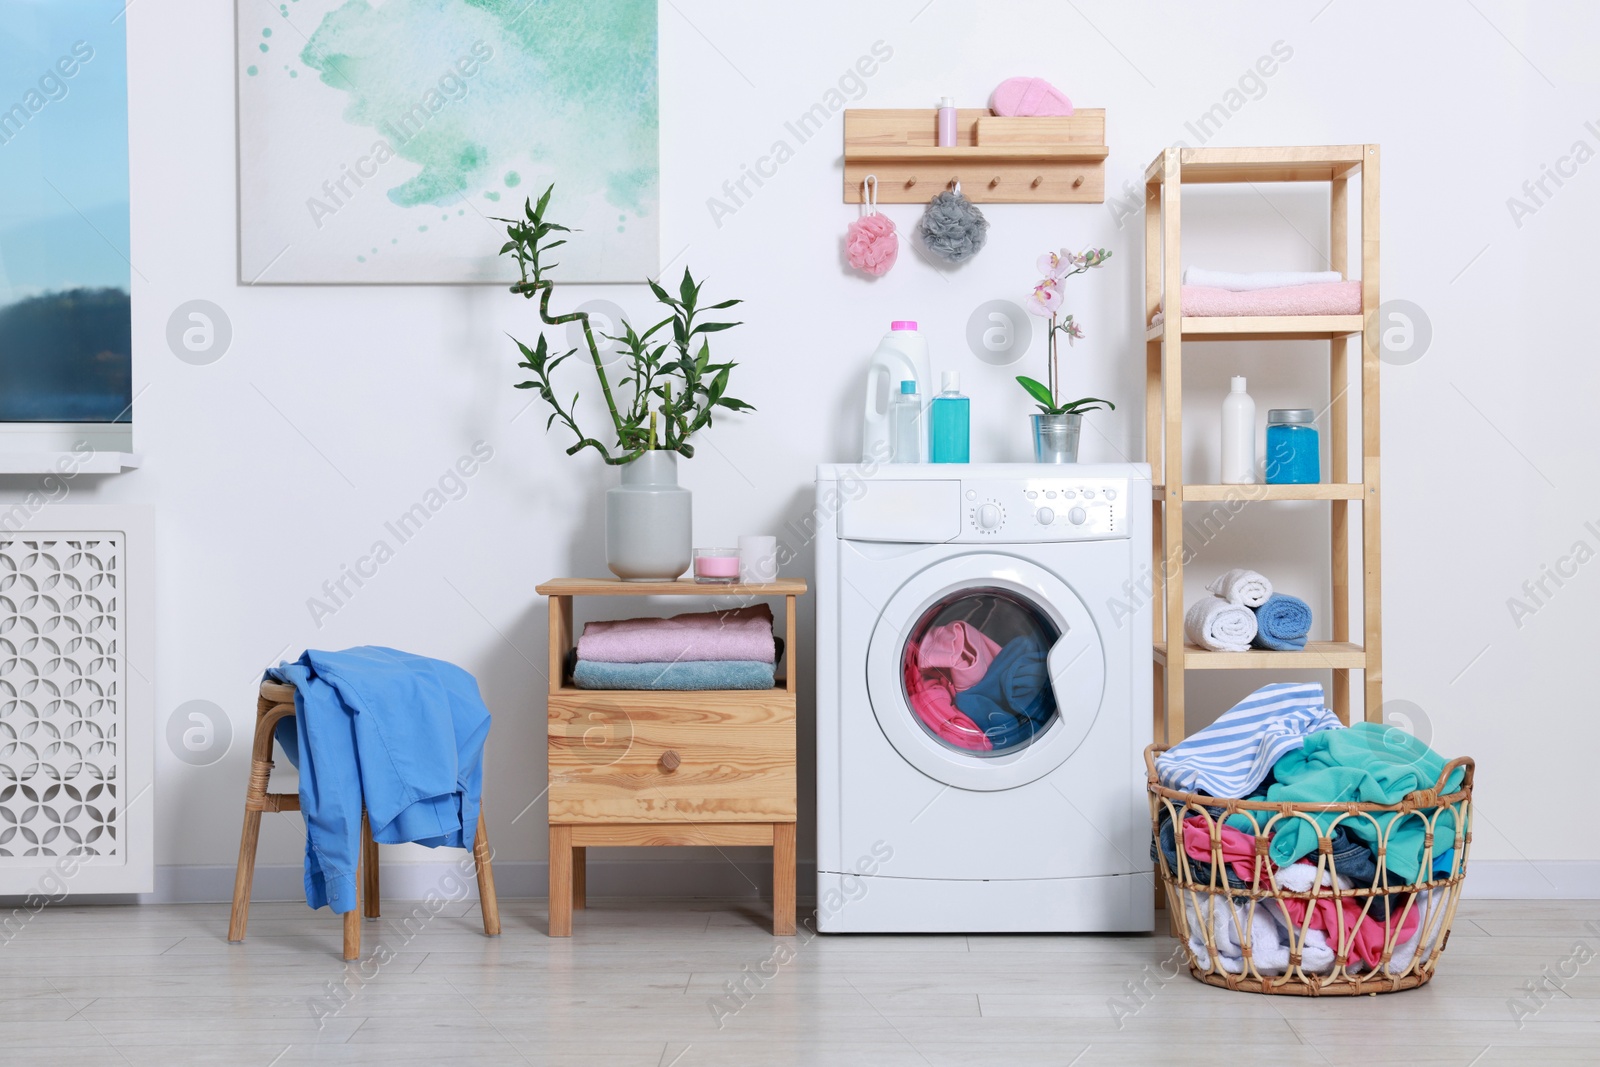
671, 387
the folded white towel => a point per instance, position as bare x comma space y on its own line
1261, 279
1220, 626
1240, 586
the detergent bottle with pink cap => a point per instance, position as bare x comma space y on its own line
902, 356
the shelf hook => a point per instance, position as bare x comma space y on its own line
1077, 181
1036, 182
994, 182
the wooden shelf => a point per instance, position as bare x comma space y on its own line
1262, 327
1352, 617
961, 154
1317, 655
1252, 493
1319, 163
680, 587
997, 160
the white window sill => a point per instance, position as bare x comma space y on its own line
68, 462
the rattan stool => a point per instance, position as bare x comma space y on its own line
275, 703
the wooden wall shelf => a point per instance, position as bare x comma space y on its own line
997, 159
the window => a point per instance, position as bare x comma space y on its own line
65, 274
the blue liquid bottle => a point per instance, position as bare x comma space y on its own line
951, 420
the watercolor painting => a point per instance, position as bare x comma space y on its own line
65, 269
378, 141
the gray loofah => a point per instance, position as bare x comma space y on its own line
953, 228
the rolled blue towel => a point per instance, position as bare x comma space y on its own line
684, 674
1282, 623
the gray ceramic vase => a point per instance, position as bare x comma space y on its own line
649, 521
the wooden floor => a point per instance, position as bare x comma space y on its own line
647, 984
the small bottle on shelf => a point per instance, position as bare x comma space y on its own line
947, 123
905, 425
950, 437
1238, 436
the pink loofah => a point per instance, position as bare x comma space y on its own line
872, 244
1029, 96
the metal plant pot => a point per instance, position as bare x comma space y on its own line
1055, 438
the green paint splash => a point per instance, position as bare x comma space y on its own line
580, 77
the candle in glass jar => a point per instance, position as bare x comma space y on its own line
716, 565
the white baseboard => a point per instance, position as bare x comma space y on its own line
1487, 880
414, 881
1532, 880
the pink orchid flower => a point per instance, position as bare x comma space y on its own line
1053, 264
1073, 331
1046, 298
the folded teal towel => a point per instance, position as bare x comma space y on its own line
1282, 623
684, 674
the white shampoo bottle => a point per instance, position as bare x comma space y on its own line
1238, 436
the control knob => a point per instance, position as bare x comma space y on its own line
989, 517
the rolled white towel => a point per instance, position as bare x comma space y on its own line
1215, 624
1261, 279
1240, 586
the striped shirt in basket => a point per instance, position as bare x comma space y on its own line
1233, 755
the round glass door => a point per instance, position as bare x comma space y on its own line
974, 671
985, 671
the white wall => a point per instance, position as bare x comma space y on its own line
337, 408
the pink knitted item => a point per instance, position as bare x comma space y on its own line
1029, 96
872, 244
966, 652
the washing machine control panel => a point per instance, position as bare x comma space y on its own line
1044, 509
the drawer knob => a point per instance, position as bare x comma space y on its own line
670, 760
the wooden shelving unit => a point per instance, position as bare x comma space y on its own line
1165, 344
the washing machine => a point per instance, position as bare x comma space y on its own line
983, 697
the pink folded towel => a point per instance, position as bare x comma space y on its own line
745, 634
962, 650
1321, 298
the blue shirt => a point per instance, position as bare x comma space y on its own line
402, 735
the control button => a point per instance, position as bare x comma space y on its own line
1047, 516
1076, 516
1050, 494
989, 517
1111, 494
972, 494
1033, 494
1070, 495
1088, 494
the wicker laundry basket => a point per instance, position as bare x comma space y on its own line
1259, 935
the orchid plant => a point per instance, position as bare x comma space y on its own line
1046, 301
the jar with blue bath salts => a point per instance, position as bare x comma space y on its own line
1292, 452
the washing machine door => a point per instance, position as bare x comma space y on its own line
985, 671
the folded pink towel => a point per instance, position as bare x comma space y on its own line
1321, 298
962, 650
745, 634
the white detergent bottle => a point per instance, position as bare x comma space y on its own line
902, 356
1238, 436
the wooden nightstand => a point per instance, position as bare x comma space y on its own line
634, 767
